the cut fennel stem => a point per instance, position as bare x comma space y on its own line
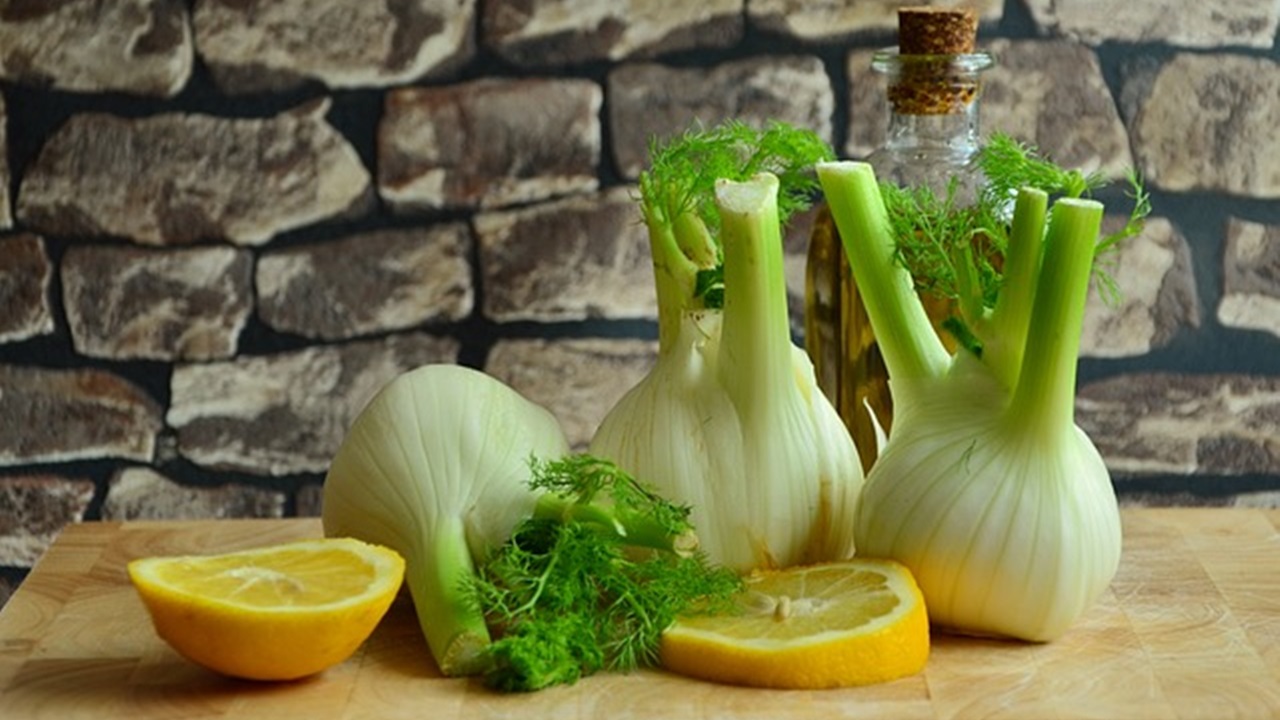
986, 489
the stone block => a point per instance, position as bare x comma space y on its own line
563, 32
1206, 23
578, 380
1206, 123
828, 22
489, 143
275, 45
1156, 423
648, 100
287, 413
127, 303
581, 257
372, 282
141, 47
34, 509
140, 493
49, 416
25, 275
178, 178
1156, 294
6, 207
1251, 277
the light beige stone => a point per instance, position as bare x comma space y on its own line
581, 257
33, 511
132, 46
25, 277
833, 21
1155, 294
578, 380
1207, 123
141, 493
287, 413
1203, 23
561, 32
366, 283
269, 45
177, 178
1251, 284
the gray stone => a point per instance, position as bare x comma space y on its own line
1251, 277
372, 282
489, 143
177, 178
561, 32
1048, 93
572, 259
63, 415
33, 511
578, 380
1207, 122
309, 500
287, 413
132, 46
140, 493
1156, 298
650, 100
6, 209
1154, 423
272, 45
830, 22
25, 274
1206, 23
133, 303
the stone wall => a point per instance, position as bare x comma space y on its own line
226, 224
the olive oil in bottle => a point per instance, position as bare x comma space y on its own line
932, 141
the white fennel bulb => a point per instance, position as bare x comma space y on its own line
730, 420
436, 467
986, 489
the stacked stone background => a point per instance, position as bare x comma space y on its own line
225, 224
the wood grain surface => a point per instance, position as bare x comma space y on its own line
1189, 629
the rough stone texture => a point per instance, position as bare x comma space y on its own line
1185, 499
1208, 23
7, 588
1157, 294
579, 381
1207, 122
1168, 423
287, 413
132, 46
192, 177
271, 45
33, 511
573, 259
1049, 93
1251, 277
6, 209
25, 274
309, 501
139, 493
830, 21
367, 283
129, 303
649, 99
61, 415
489, 143
561, 32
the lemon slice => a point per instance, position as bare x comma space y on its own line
274, 613
832, 625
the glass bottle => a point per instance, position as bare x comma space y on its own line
932, 140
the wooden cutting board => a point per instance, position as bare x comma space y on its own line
1189, 629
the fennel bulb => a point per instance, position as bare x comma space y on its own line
436, 467
986, 489
730, 420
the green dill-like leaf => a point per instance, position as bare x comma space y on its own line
567, 600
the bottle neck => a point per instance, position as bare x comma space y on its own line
949, 136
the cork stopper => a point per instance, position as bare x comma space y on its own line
936, 31
927, 82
